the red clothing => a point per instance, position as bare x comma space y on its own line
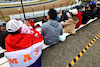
32, 23
79, 16
24, 50
22, 41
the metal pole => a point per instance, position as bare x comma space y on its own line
2, 15
33, 11
19, 12
44, 10
71, 5
53, 6
66, 6
23, 10
60, 7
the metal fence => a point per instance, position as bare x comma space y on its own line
35, 14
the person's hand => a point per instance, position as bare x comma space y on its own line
27, 23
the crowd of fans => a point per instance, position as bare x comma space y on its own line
21, 36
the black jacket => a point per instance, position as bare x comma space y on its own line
3, 35
86, 16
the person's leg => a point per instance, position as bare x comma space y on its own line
37, 63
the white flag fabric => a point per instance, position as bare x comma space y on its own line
23, 49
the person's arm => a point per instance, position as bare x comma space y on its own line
65, 23
42, 30
61, 30
76, 21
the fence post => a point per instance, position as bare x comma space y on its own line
66, 6
60, 7
33, 11
53, 6
19, 12
71, 4
23, 9
44, 10
2, 15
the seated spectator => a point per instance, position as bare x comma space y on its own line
35, 20
57, 18
52, 29
38, 25
59, 15
86, 15
63, 16
23, 50
68, 14
44, 19
3, 35
69, 25
32, 23
98, 11
25, 27
93, 9
79, 16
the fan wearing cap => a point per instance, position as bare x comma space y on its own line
23, 50
69, 25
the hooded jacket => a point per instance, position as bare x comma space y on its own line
51, 31
69, 26
79, 16
23, 49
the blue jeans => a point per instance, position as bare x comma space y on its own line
37, 63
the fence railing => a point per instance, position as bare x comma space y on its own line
35, 14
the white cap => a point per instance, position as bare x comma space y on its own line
13, 25
74, 11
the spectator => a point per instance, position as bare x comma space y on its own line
98, 11
52, 29
93, 9
3, 35
69, 25
23, 50
57, 18
63, 16
86, 15
59, 15
44, 19
68, 14
38, 25
79, 16
32, 23
35, 20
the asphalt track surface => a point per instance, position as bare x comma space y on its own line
29, 4
38, 7
62, 53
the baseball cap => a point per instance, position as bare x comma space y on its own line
74, 11
13, 25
